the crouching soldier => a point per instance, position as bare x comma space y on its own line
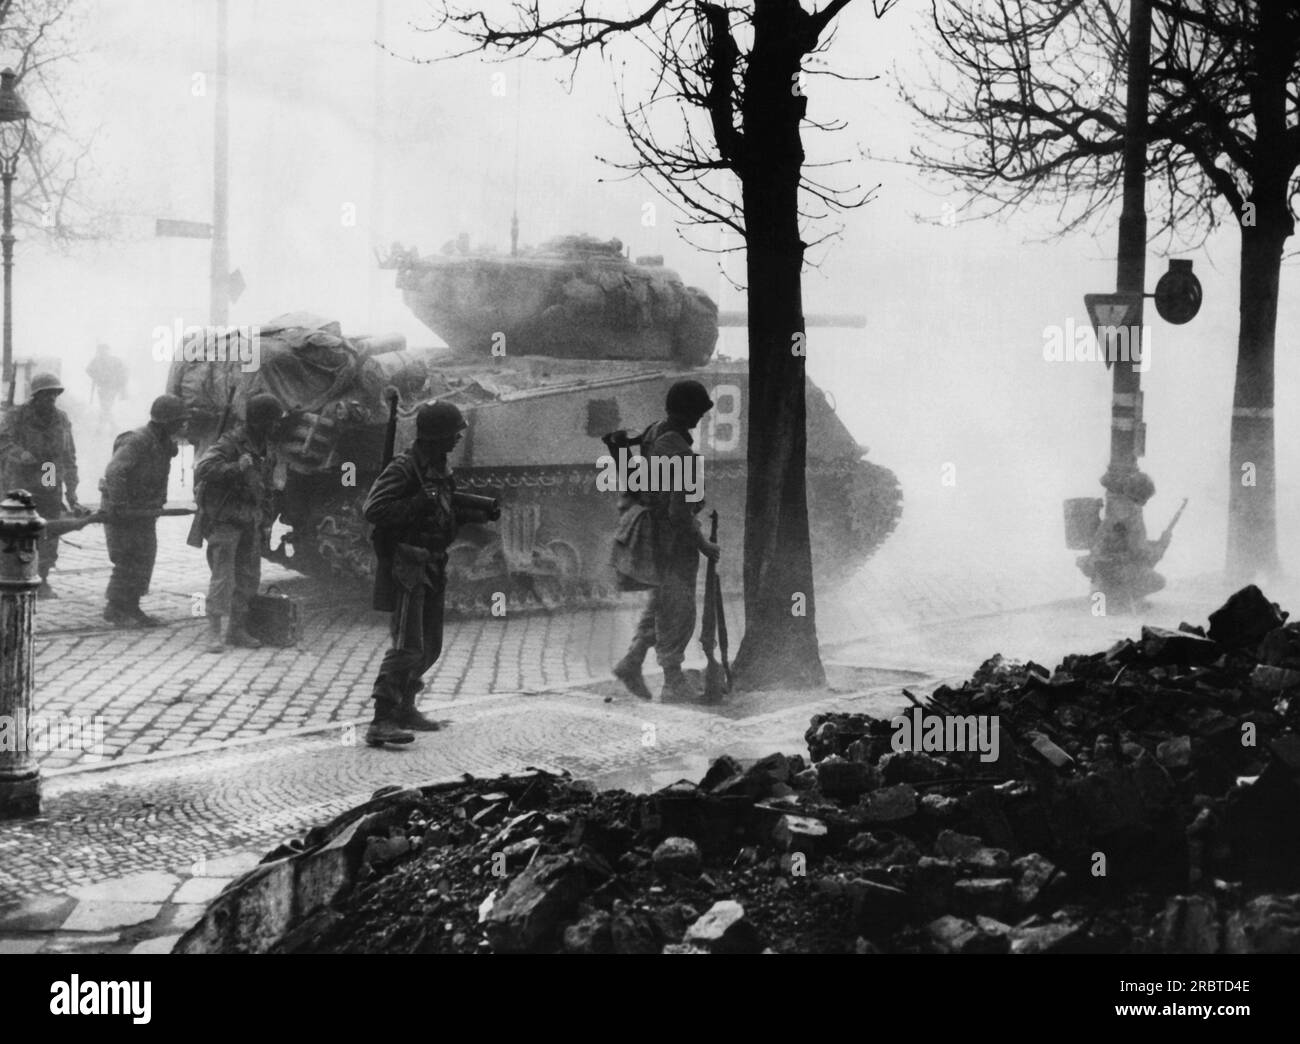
411, 507
676, 545
234, 488
135, 483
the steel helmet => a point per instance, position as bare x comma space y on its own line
438, 420
167, 408
45, 382
262, 409
688, 398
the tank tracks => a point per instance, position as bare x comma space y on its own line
533, 560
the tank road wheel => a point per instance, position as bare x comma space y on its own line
851, 513
559, 584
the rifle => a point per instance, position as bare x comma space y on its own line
62, 526
195, 536
1168, 534
473, 507
384, 594
390, 432
717, 676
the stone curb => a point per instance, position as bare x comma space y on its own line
256, 911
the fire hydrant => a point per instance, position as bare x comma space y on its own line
20, 773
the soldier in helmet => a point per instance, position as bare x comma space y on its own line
234, 489
411, 507
136, 481
669, 619
37, 454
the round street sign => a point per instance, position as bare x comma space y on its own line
1178, 294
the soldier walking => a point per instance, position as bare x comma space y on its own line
37, 454
136, 481
108, 378
234, 489
676, 545
411, 507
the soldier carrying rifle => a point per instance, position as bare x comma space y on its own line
135, 484
416, 511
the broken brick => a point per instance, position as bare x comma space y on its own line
949, 934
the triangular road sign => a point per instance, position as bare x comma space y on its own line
1111, 311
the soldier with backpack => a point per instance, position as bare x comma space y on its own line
658, 545
136, 481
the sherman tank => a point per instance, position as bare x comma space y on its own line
617, 334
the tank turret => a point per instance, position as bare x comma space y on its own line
575, 297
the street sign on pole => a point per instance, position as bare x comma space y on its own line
1178, 294
183, 229
1109, 313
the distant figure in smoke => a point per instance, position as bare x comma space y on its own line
108, 378
671, 556
1122, 561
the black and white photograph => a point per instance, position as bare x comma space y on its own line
629, 477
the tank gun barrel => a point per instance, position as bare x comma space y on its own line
849, 320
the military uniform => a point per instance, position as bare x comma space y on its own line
410, 506
135, 480
669, 618
1122, 561
675, 544
236, 509
28, 443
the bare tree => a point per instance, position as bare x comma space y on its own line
1028, 93
730, 77
37, 38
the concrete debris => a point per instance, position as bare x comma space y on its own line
1142, 799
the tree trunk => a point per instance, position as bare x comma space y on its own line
780, 643
1252, 501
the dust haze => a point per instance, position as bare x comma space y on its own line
339, 149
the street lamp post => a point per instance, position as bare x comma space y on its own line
1126, 427
13, 116
1120, 559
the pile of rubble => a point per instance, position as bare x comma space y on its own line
1143, 799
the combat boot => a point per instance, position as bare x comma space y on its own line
137, 617
677, 687
236, 635
384, 728
215, 644
409, 716
628, 671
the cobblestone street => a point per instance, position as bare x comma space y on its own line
208, 761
